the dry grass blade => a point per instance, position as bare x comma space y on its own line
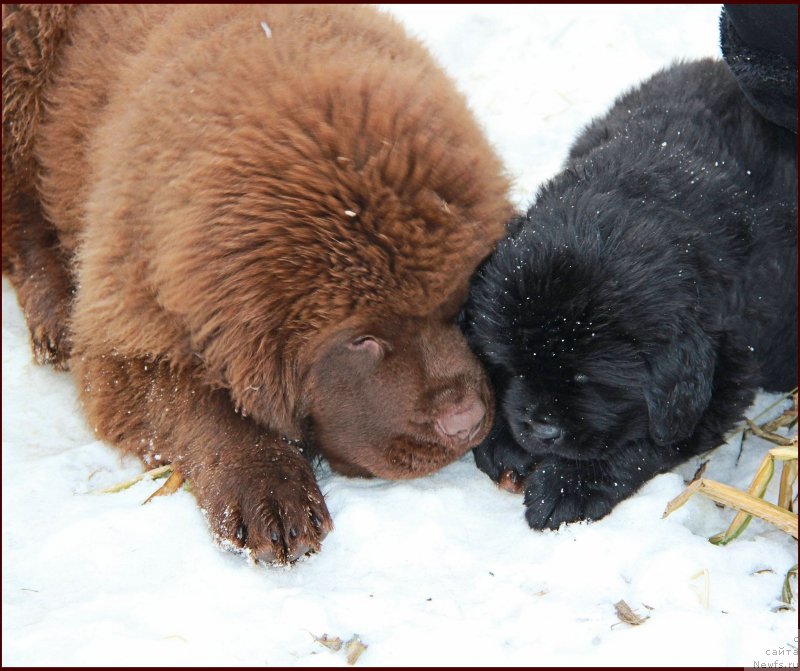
786, 593
681, 498
626, 614
768, 435
154, 474
788, 478
171, 486
787, 453
757, 488
791, 412
769, 512
735, 498
787, 418
706, 576
354, 648
334, 643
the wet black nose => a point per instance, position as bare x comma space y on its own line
543, 428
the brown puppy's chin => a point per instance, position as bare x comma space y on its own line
404, 457
406, 460
402, 460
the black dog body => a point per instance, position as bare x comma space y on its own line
628, 319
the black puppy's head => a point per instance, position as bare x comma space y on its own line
587, 346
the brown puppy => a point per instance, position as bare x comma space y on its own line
248, 230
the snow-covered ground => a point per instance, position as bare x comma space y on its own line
437, 571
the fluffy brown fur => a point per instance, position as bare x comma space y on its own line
271, 227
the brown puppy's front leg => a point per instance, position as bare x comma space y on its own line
258, 492
38, 269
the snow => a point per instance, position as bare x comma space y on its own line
437, 571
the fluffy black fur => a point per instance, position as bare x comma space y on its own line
628, 319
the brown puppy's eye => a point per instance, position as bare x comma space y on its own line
366, 344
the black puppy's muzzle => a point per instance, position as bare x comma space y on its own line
535, 427
539, 433
544, 429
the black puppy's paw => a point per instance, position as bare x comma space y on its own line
503, 460
559, 491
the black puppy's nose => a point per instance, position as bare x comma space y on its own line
543, 428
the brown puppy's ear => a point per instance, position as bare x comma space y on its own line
680, 384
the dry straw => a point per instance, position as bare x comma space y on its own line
751, 503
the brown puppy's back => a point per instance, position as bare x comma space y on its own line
117, 53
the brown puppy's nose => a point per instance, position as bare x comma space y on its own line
461, 421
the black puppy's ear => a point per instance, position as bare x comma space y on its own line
680, 385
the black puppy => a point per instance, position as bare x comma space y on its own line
628, 319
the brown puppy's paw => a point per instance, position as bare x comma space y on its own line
275, 517
51, 346
45, 297
511, 481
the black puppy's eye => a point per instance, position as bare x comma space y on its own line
580, 378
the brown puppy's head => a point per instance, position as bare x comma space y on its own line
397, 398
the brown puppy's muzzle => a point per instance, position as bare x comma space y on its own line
463, 421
